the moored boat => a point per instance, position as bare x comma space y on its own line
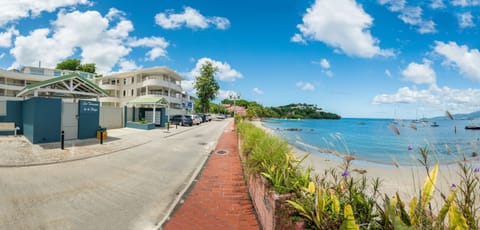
472, 126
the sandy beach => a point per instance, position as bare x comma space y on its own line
405, 180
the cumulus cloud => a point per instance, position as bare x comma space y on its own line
106, 43
224, 71
257, 91
410, 15
342, 24
158, 46
465, 3
461, 57
191, 18
128, 65
458, 100
6, 37
15, 10
420, 73
298, 39
466, 20
305, 86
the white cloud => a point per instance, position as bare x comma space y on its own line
6, 37
387, 72
298, 39
188, 86
15, 10
306, 86
224, 71
324, 63
128, 65
342, 24
106, 43
394, 5
466, 20
413, 16
461, 57
158, 46
407, 95
437, 4
257, 91
191, 18
458, 100
420, 73
465, 3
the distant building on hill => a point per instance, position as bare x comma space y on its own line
237, 109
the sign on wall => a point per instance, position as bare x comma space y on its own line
89, 107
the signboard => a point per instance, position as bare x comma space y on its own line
87, 107
190, 105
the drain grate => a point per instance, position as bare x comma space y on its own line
221, 152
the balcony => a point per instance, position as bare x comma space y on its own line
109, 99
161, 83
109, 87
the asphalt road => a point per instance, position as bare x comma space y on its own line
131, 189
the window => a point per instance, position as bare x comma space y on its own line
124, 93
57, 73
132, 93
133, 80
124, 81
3, 108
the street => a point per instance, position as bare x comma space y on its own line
130, 189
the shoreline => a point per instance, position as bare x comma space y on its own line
406, 180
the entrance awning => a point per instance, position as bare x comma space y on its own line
72, 85
148, 101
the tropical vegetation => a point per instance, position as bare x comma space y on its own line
206, 86
341, 199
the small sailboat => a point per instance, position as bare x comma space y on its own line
435, 124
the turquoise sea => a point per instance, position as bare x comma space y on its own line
375, 140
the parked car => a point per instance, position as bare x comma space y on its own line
196, 120
221, 116
205, 117
181, 120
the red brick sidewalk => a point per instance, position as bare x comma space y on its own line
219, 200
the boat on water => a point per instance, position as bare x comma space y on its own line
473, 127
435, 124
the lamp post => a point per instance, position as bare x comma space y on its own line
234, 96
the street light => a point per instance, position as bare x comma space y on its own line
234, 96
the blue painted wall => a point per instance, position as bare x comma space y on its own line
88, 119
14, 114
42, 119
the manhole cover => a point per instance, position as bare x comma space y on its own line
221, 152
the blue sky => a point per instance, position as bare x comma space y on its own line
377, 58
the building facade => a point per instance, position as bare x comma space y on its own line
12, 82
157, 82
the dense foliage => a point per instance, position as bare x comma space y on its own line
74, 64
291, 111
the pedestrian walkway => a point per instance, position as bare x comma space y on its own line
219, 200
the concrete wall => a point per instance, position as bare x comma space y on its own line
14, 114
111, 117
88, 118
42, 119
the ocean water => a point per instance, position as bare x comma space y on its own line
375, 141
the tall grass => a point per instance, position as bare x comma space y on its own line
337, 199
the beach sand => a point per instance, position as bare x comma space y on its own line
405, 180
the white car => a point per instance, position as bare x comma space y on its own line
196, 120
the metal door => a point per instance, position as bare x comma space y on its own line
149, 117
70, 120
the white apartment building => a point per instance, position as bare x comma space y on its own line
155, 82
13, 81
